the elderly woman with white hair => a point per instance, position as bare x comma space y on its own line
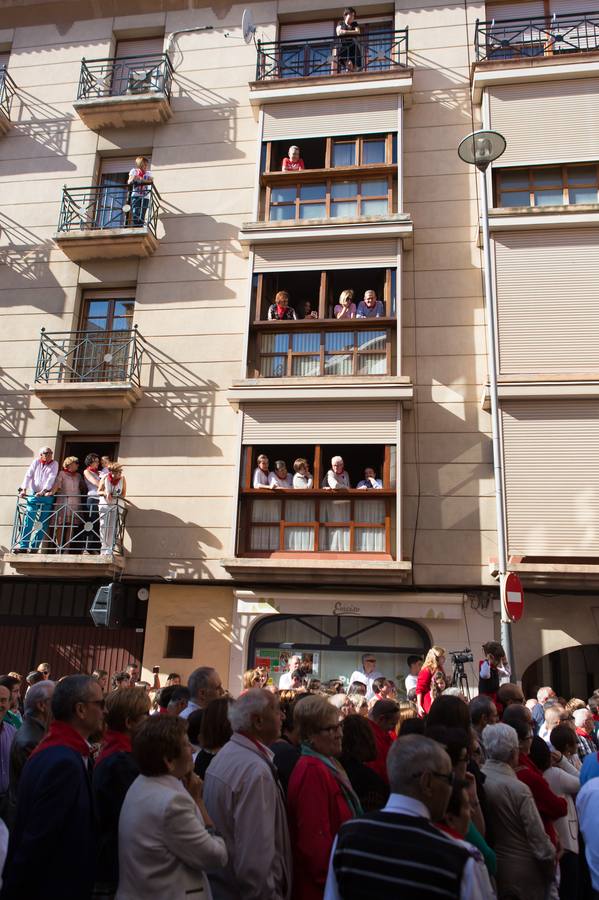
525, 855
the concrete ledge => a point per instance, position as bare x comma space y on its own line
554, 573
489, 73
398, 80
252, 390
544, 387
58, 564
122, 111
395, 226
106, 243
532, 218
320, 571
88, 395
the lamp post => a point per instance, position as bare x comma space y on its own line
480, 149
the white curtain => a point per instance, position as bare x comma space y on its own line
299, 537
335, 539
370, 540
305, 366
370, 511
265, 537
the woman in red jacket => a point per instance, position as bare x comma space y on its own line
320, 797
433, 662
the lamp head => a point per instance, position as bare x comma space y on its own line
481, 148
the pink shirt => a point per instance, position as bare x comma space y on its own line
347, 312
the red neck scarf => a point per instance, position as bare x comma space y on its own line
45, 461
112, 479
281, 311
114, 742
583, 733
61, 734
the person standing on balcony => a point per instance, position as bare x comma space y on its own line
261, 477
370, 307
113, 488
69, 487
370, 480
39, 479
140, 183
280, 478
280, 309
336, 478
350, 54
302, 479
346, 308
293, 162
92, 477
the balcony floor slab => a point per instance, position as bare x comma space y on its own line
123, 111
61, 565
88, 395
106, 243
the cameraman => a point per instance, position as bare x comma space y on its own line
491, 669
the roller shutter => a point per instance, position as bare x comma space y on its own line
323, 118
325, 255
351, 422
551, 450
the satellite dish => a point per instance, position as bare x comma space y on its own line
248, 29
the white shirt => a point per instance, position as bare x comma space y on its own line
285, 482
475, 880
565, 785
285, 682
191, 707
40, 477
378, 484
260, 478
587, 807
336, 482
361, 676
136, 187
302, 481
411, 682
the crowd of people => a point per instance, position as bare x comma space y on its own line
337, 478
60, 503
116, 788
368, 308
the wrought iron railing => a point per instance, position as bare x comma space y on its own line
108, 206
536, 36
8, 90
89, 356
125, 77
374, 52
67, 524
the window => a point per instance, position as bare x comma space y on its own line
333, 152
103, 345
333, 199
359, 151
179, 642
567, 185
355, 352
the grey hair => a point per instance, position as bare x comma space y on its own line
69, 692
199, 680
37, 693
580, 716
408, 757
479, 706
336, 459
253, 702
542, 693
499, 742
45, 450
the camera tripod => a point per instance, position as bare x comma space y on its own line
459, 678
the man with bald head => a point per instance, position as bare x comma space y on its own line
390, 852
39, 481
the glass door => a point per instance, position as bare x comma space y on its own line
105, 339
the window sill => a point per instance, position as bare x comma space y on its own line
489, 74
313, 568
531, 218
327, 387
394, 225
355, 84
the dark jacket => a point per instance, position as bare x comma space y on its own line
25, 741
112, 779
51, 852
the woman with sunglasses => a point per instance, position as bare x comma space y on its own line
320, 797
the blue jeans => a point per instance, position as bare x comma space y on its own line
37, 507
139, 207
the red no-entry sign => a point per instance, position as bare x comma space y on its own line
512, 596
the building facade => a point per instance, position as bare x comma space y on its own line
135, 324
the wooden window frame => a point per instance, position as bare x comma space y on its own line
247, 495
358, 140
297, 204
322, 354
563, 184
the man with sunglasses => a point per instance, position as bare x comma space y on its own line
39, 479
51, 852
398, 852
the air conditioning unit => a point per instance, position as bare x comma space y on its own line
108, 606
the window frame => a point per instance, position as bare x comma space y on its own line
358, 140
322, 354
564, 184
359, 198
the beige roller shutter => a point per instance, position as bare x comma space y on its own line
553, 121
548, 301
351, 422
552, 477
325, 255
322, 118
568, 7
143, 47
500, 11
304, 30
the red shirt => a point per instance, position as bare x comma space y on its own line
289, 166
383, 742
423, 686
317, 810
549, 805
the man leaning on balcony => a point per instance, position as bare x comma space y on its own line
370, 307
39, 479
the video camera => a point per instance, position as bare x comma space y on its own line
459, 657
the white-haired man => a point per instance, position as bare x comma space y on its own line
367, 674
336, 479
36, 721
391, 852
244, 799
39, 479
286, 679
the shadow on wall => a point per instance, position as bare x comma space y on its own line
24, 265
178, 545
14, 409
44, 134
219, 114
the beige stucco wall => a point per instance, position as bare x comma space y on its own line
208, 609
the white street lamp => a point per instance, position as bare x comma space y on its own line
480, 149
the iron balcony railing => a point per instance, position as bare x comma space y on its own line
125, 77
537, 36
67, 524
108, 206
373, 52
8, 90
89, 356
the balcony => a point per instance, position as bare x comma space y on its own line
535, 48
101, 222
303, 69
63, 535
8, 90
89, 369
133, 90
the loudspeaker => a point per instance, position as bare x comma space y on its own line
108, 606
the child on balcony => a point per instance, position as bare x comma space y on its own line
293, 162
140, 181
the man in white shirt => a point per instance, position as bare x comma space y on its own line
414, 665
286, 679
384, 854
367, 674
39, 479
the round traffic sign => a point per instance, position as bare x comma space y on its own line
512, 596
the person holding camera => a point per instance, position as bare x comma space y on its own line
433, 662
491, 669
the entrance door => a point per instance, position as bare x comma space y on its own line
333, 646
